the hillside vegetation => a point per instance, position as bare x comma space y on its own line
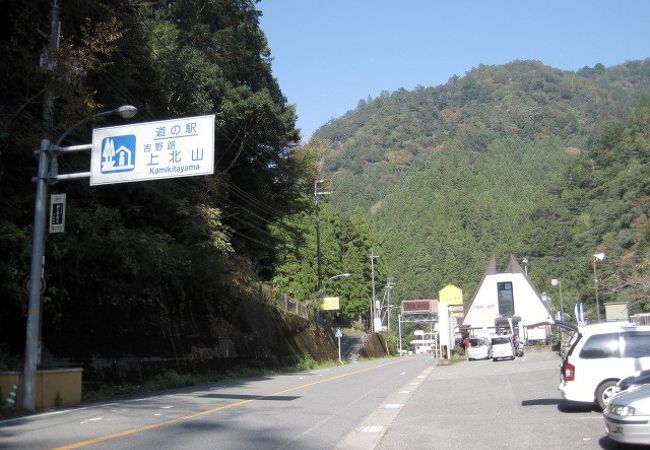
172, 268
453, 174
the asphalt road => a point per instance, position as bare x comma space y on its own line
311, 410
496, 405
410, 402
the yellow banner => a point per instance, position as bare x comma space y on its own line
329, 304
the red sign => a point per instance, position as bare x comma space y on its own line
419, 307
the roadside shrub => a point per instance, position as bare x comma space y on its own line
171, 379
307, 363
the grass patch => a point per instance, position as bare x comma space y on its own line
309, 363
173, 380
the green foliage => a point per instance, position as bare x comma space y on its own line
601, 205
346, 243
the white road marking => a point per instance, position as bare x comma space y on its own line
392, 406
371, 429
166, 407
404, 392
92, 419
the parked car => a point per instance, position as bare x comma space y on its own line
600, 356
627, 416
479, 348
503, 347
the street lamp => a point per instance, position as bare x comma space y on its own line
525, 261
46, 165
597, 257
125, 112
340, 275
335, 277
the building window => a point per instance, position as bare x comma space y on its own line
506, 299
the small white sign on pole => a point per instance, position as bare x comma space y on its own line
57, 213
173, 148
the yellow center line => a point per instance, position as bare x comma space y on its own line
153, 426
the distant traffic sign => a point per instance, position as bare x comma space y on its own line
181, 147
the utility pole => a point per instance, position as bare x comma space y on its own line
48, 61
597, 257
371, 326
318, 195
389, 286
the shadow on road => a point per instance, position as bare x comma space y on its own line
252, 397
610, 444
564, 406
567, 406
541, 402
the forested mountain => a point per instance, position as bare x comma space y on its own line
602, 204
456, 173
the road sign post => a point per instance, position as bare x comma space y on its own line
339, 335
180, 147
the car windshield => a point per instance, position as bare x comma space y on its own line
475, 342
501, 340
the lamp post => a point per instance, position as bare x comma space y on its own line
336, 277
558, 282
525, 261
597, 257
47, 154
323, 292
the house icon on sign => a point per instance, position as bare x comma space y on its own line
118, 154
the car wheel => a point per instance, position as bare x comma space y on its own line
605, 392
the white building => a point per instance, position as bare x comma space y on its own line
507, 294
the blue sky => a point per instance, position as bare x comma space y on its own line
329, 54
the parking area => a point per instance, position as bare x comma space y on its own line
503, 404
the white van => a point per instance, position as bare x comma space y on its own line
601, 355
503, 347
478, 348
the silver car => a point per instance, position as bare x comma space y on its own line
627, 416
